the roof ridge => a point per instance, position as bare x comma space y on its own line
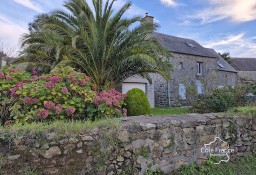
175, 36
242, 58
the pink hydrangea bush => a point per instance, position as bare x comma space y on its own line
11, 80
64, 94
58, 95
109, 103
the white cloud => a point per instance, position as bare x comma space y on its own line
226, 41
31, 5
235, 10
170, 3
132, 11
10, 33
237, 45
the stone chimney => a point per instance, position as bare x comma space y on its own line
148, 19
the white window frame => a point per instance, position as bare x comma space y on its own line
199, 68
182, 91
199, 87
180, 66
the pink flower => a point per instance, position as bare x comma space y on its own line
72, 75
64, 90
35, 100
19, 84
27, 100
43, 114
9, 78
87, 78
109, 102
97, 100
55, 79
13, 91
49, 105
116, 102
41, 77
13, 70
7, 122
70, 110
1, 75
94, 87
34, 72
82, 82
34, 77
48, 85
58, 108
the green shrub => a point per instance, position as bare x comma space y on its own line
219, 100
10, 81
137, 103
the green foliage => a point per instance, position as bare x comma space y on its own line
99, 41
169, 111
61, 127
29, 171
219, 100
157, 172
9, 78
246, 110
243, 165
226, 56
144, 151
137, 103
62, 94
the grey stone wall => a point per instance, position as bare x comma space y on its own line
160, 90
134, 146
247, 75
227, 79
187, 75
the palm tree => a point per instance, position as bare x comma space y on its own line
103, 44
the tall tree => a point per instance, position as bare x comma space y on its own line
226, 56
103, 44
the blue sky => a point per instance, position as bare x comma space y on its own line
225, 25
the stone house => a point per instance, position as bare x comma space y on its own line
5, 59
246, 68
196, 70
2, 59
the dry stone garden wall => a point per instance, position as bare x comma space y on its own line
134, 146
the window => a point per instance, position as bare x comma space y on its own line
190, 45
221, 65
199, 68
180, 66
199, 87
182, 91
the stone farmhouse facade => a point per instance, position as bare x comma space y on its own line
196, 70
246, 68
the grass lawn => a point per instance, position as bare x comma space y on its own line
246, 110
242, 166
171, 111
60, 126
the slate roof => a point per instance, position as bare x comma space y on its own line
244, 64
223, 65
182, 45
